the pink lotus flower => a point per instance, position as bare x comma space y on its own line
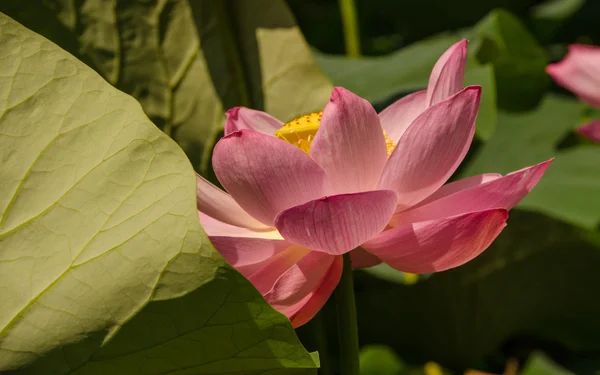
579, 72
368, 184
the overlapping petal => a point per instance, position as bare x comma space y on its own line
504, 192
579, 72
350, 145
214, 202
397, 117
432, 148
246, 249
319, 296
277, 268
238, 118
265, 277
447, 76
361, 258
298, 285
266, 175
339, 223
458, 185
446, 79
215, 227
438, 245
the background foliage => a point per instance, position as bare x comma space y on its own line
528, 302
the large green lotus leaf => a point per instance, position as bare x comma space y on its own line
575, 178
569, 189
148, 49
537, 280
526, 138
519, 60
188, 61
104, 267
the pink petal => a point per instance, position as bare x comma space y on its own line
396, 118
350, 145
264, 278
504, 192
432, 148
249, 255
363, 259
266, 175
448, 74
245, 249
214, 202
459, 185
295, 288
215, 227
591, 130
579, 72
339, 223
239, 118
321, 295
438, 245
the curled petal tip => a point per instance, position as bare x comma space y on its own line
475, 93
503, 213
471, 94
235, 134
541, 167
238, 118
337, 93
232, 113
476, 88
460, 46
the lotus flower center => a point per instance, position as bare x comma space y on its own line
301, 131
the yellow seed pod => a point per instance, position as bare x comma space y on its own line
301, 131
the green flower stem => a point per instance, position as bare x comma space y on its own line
350, 24
322, 341
346, 318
